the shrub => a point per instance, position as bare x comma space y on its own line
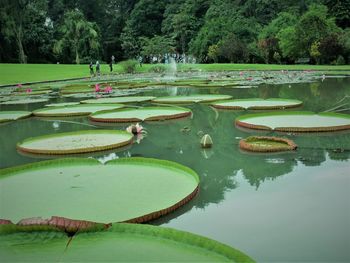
157, 69
340, 60
129, 66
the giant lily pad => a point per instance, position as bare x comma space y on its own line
192, 98
62, 104
266, 144
76, 88
257, 104
295, 121
24, 101
128, 189
117, 244
141, 114
126, 99
33, 92
76, 142
74, 110
13, 115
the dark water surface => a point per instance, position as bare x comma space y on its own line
274, 207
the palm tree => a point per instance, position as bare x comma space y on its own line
77, 34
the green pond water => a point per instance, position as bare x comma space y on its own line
291, 206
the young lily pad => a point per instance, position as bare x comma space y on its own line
267, 144
141, 114
62, 104
122, 190
13, 115
192, 98
117, 244
295, 121
257, 104
126, 99
74, 110
76, 142
24, 101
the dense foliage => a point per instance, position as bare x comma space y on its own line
250, 31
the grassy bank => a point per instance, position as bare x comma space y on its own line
23, 73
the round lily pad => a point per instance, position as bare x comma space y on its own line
141, 114
127, 99
76, 88
192, 98
74, 110
257, 104
122, 190
295, 121
76, 142
13, 115
121, 242
267, 144
33, 92
25, 101
62, 104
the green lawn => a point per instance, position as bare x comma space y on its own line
22, 73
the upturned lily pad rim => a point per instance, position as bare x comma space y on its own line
11, 171
218, 104
137, 99
41, 112
75, 150
177, 99
246, 144
184, 112
25, 114
147, 232
240, 121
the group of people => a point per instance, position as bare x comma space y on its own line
98, 67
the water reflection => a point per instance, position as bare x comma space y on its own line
224, 170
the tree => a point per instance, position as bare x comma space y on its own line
233, 49
13, 16
340, 9
78, 35
288, 43
157, 46
313, 26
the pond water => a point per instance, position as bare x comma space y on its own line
291, 206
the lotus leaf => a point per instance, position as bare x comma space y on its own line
257, 104
267, 144
24, 101
74, 110
141, 114
126, 99
295, 121
192, 98
13, 115
120, 243
76, 142
126, 189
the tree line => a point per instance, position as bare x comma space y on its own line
237, 31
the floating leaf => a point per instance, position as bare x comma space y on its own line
192, 98
126, 189
141, 114
74, 110
267, 144
13, 115
76, 142
295, 121
257, 104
